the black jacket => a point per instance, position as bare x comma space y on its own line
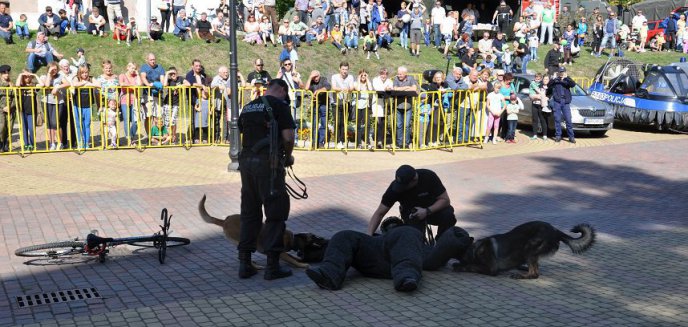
560, 89
552, 59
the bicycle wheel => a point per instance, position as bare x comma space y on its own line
153, 242
52, 250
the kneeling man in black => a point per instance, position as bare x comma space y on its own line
422, 199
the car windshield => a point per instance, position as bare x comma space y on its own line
578, 91
660, 84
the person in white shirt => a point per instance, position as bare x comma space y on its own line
485, 45
343, 83
637, 21
377, 132
437, 14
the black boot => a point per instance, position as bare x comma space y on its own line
274, 270
246, 269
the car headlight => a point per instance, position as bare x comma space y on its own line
610, 112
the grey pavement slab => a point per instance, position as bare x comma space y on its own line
633, 194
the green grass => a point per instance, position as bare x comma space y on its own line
324, 57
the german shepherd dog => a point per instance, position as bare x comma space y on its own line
523, 245
231, 227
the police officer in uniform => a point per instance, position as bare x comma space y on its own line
422, 199
560, 88
267, 128
503, 15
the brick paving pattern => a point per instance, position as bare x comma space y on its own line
632, 192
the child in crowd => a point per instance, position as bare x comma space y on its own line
289, 52
370, 45
659, 42
581, 31
121, 31
488, 63
133, 31
22, 28
170, 105
81, 58
201, 118
159, 133
515, 105
495, 107
643, 36
64, 21
427, 29
506, 59
111, 121
533, 43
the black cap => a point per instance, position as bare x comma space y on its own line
5, 69
80, 50
404, 176
562, 69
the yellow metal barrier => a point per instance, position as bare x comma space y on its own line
92, 118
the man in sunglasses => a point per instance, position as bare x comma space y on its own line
259, 75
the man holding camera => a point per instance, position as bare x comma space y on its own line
422, 200
561, 103
267, 130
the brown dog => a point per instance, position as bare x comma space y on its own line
231, 226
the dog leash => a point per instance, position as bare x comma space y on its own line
302, 193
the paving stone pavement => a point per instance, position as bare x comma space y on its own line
632, 193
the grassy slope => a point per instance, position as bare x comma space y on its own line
325, 57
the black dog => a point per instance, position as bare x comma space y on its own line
525, 244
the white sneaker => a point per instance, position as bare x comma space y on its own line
340, 145
53, 146
494, 141
544, 138
487, 140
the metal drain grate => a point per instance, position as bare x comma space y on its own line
57, 297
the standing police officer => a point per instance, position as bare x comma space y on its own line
267, 128
561, 103
502, 16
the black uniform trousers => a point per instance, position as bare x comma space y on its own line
443, 219
398, 254
256, 195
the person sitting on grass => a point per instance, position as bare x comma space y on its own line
121, 31
266, 32
317, 32
182, 26
133, 31
23, 28
49, 23
337, 38
159, 133
154, 30
252, 30
370, 45
96, 23
203, 28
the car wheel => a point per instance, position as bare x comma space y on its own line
598, 133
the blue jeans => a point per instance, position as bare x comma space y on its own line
533, 53
7, 36
23, 31
311, 37
82, 121
438, 36
524, 65
28, 128
404, 36
403, 136
130, 120
384, 41
63, 26
511, 131
426, 38
562, 109
351, 42
35, 61
605, 39
320, 123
